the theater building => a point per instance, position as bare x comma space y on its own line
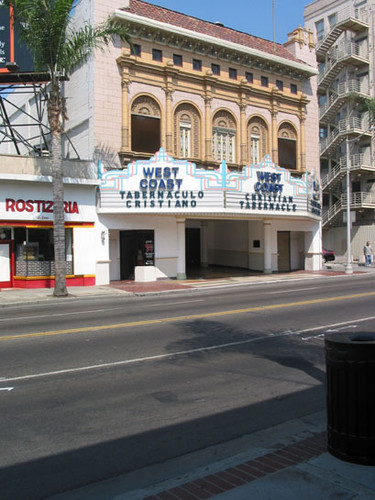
206, 141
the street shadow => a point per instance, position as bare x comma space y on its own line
290, 353
42, 478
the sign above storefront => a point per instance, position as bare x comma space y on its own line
25, 201
168, 186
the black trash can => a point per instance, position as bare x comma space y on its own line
350, 363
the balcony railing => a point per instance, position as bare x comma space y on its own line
348, 52
353, 127
360, 200
358, 162
354, 19
341, 92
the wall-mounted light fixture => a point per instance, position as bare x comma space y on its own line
12, 66
102, 236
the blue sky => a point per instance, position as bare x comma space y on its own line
250, 16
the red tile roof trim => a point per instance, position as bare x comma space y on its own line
174, 18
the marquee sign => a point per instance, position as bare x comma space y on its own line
163, 185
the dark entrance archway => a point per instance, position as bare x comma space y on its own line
136, 249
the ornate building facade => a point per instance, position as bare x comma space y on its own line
206, 141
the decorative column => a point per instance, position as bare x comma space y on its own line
302, 142
170, 73
207, 125
168, 120
267, 266
275, 146
181, 261
243, 153
125, 82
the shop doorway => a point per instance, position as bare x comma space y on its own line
283, 251
136, 249
6, 265
193, 246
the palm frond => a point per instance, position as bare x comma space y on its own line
80, 44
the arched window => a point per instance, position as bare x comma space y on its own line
187, 130
224, 137
145, 125
258, 139
287, 146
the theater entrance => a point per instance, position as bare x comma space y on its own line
136, 249
283, 251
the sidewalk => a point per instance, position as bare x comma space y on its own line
287, 461
16, 296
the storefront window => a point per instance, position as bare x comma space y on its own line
34, 251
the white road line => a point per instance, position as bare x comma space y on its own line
181, 353
53, 315
177, 303
331, 328
146, 358
295, 290
333, 325
6, 389
272, 281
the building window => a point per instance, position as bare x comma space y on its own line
197, 64
233, 73
293, 88
287, 146
319, 28
145, 125
224, 137
280, 84
136, 50
264, 81
258, 139
34, 251
186, 131
223, 145
185, 139
255, 149
332, 20
157, 55
249, 77
215, 68
177, 59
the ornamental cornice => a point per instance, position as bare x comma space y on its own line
170, 35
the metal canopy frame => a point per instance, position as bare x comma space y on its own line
37, 142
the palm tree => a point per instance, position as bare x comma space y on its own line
58, 48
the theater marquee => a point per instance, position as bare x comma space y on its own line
163, 185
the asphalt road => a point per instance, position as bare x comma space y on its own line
93, 388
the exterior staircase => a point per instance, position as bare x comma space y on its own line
358, 162
347, 19
359, 200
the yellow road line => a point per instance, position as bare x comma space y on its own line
189, 317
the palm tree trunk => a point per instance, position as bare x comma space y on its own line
54, 114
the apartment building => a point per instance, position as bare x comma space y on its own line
344, 35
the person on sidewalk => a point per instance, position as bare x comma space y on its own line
367, 250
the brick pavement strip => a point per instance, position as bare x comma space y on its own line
232, 477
